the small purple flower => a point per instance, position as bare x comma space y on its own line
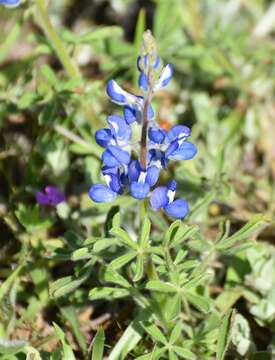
10, 3
51, 196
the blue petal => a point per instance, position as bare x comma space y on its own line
130, 114
178, 131
103, 137
10, 3
101, 193
152, 175
157, 62
139, 190
157, 135
157, 156
120, 129
113, 179
185, 151
165, 77
159, 198
114, 156
177, 209
143, 81
172, 185
134, 170
118, 95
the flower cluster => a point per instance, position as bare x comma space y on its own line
121, 170
10, 3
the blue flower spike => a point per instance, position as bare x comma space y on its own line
10, 3
134, 168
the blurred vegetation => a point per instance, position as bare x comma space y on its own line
50, 107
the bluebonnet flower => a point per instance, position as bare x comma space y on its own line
51, 195
10, 3
114, 187
163, 198
122, 171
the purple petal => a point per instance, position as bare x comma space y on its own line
159, 198
42, 198
177, 209
55, 196
101, 193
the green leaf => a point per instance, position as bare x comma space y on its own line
107, 293
109, 275
6, 285
68, 284
200, 302
67, 350
254, 224
139, 268
173, 228
70, 315
224, 335
103, 244
98, 345
154, 332
122, 260
128, 341
10, 347
183, 233
176, 333
80, 254
145, 233
157, 285
49, 75
123, 237
173, 307
184, 353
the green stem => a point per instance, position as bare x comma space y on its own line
55, 40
